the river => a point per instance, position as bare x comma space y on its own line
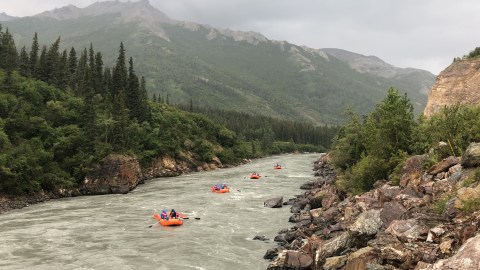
114, 232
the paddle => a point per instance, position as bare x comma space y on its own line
197, 218
153, 225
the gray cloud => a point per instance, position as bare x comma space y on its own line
424, 34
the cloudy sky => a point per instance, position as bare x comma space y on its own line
425, 34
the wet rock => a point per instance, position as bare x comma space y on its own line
280, 238
316, 200
292, 235
260, 238
298, 205
271, 253
274, 202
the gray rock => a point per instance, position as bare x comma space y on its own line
471, 156
274, 202
467, 257
368, 223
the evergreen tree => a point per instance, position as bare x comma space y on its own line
72, 66
41, 71
99, 84
8, 54
34, 56
24, 62
53, 71
132, 92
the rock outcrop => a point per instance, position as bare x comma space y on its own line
115, 174
430, 221
457, 84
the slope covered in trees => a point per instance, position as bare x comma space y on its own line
61, 112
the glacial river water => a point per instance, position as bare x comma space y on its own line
113, 231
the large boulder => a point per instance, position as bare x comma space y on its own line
408, 230
297, 260
444, 165
115, 174
391, 211
412, 170
274, 202
368, 223
467, 258
471, 156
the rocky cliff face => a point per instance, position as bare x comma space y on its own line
458, 83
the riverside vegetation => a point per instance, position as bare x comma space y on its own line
393, 193
62, 112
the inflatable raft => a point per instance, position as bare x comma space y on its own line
169, 222
222, 190
254, 176
277, 167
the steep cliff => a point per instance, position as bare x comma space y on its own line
458, 83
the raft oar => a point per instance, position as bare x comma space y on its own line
197, 218
153, 225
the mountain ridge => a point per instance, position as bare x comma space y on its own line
228, 69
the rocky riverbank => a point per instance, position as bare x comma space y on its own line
429, 221
116, 174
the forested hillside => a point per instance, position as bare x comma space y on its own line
61, 112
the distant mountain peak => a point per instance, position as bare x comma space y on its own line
4, 17
130, 11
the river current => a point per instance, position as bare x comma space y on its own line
115, 232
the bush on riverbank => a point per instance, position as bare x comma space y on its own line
372, 148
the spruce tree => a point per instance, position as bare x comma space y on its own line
34, 56
24, 63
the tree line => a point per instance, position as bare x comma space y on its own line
266, 129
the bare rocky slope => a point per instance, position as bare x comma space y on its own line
457, 84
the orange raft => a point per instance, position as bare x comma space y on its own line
222, 190
254, 176
277, 167
169, 222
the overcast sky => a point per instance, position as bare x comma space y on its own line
425, 34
